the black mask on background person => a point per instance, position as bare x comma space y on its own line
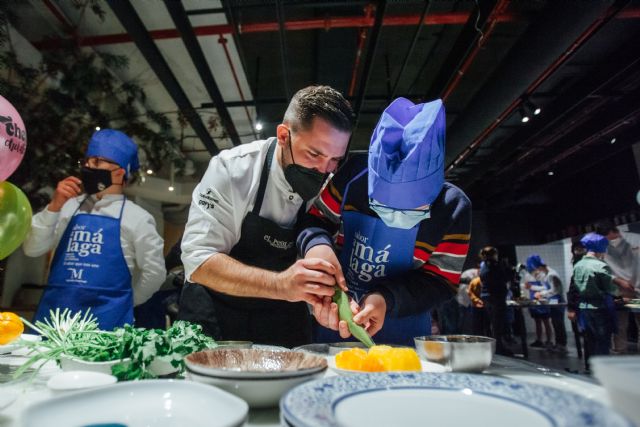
306, 182
95, 180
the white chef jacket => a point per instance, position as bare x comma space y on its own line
141, 244
224, 196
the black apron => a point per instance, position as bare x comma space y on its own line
263, 244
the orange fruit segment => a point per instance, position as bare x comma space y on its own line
379, 358
11, 327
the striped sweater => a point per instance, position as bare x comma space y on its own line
439, 252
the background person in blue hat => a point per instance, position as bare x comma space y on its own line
543, 283
596, 286
108, 253
401, 233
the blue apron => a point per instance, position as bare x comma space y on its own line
539, 311
373, 250
89, 271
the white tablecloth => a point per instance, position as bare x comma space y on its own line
31, 389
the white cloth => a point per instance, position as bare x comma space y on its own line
141, 244
224, 196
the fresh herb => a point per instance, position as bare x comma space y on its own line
79, 337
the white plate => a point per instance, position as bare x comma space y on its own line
14, 345
439, 399
426, 367
157, 403
75, 380
6, 398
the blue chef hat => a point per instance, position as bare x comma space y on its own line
533, 262
115, 146
406, 155
595, 242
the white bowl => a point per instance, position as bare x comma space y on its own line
161, 367
75, 380
260, 377
68, 363
620, 376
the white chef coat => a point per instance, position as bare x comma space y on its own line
141, 244
225, 195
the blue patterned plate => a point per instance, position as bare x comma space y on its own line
439, 399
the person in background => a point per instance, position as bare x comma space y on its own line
108, 254
480, 318
495, 279
535, 282
238, 248
401, 232
554, 294
573, 297
596, 285
464, 301
623, 257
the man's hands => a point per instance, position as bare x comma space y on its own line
327, 253
327, 315
309, 280
66, 189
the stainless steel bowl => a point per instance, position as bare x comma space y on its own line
468, 353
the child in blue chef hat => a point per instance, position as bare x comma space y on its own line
108, 255
395, 229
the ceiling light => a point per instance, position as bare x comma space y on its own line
533, 108
171, 188
613, 140
149, 171
258, 126
550, 173
524, 117
97, 127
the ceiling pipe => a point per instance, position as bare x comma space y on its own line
131, 22
605, 17
627, 120
414, 40
236, 41
435, 18
284, 57
181, 20
362, 37
328, 23
477, 44
381, 6
223, 41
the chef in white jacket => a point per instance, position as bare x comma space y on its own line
108, 254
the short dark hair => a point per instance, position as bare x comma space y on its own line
488, 252
319, 101
605, 227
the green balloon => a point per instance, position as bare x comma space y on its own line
15, 218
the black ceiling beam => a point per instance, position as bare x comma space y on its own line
463, 45
414, 40
374, 37
133, 25
284, 56
181, 20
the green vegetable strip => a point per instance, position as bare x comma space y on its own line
344, 312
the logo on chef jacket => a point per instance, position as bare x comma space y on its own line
206, 199
278, 244
365, 262
84, 243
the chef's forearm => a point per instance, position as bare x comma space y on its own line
224, 274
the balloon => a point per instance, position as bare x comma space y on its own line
13, 139
15, 218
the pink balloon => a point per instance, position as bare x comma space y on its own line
13, 139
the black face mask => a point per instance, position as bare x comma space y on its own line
306, 182
95, 180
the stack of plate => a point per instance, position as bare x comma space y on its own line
404, 399
260, 377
